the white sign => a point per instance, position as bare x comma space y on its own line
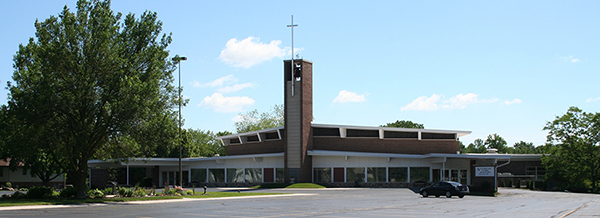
484, 171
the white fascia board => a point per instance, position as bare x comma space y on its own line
233, 157
459, 133
249, 133
362, 154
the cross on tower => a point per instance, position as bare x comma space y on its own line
292, 71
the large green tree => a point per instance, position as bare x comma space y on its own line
253, 120
478, 146
91, 80
404, 124
574, 147
497, 142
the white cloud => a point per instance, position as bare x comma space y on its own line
226, 104
592, 99
347, 96
251, 51
218, 82
514, 101
236, 87
570, 59
423, 103
460, 101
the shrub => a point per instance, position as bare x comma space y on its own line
170, 191
510, 183
95, 193
140, 192
18, 194
125, 192
189, 192
502, 184
518, 185
8, 184
41, 192
107, 191
69, 192
147, 182
24, 189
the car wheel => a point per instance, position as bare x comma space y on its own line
448, 194
425, 194
461, 196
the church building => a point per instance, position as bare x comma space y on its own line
330, 154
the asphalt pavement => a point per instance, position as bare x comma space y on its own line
337, 202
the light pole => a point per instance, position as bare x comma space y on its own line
179, 59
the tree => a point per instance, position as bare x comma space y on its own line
90, 81
200, 143
574, 146
253, 120
477, 146
523, 147
404, 124
497, 142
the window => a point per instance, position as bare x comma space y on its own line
235, 175
463, 177
322, 175
376, 174
254, 175
198, 175
216, 175
398, 174
419, 174
279, 175
355, 174
539, 173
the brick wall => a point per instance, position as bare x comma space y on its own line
376, 145
275, 146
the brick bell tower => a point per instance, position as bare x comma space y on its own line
298, 107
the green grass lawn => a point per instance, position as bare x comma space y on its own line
7, 202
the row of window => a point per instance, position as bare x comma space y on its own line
320, 175
371, 174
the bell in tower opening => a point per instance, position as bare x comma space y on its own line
297, 72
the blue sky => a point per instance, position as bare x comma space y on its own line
503, 67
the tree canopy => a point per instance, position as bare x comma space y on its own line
404, 124
253, 120
90, 84
574, 145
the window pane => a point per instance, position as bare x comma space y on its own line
322, 175
279, 175
435, 174
216, 175
356, 174
398, 174
198, 175
463, 177
235, 175
419, 174
376, 174
254, 175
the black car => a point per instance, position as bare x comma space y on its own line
447, 188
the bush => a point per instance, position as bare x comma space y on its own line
41, 192
510, 183
140, 192
125, 192
8, 184
170, 192
18, 194
189, 192
147, 182
95, 193
502, 184
518, 185
69, 192
107, 191
24, 189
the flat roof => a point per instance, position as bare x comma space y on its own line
459, 133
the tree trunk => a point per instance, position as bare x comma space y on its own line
79, 178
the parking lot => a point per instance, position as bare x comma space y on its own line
351, 202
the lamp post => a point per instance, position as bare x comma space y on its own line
179, 59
